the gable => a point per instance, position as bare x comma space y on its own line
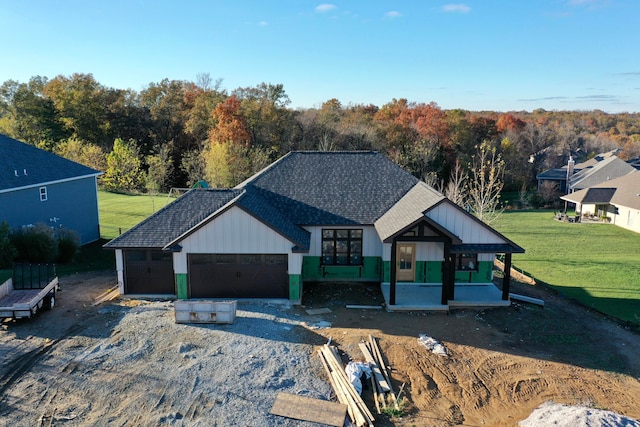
23, 166
235, 231
467, 227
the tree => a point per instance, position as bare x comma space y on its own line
159, 166
124, 171
485, 183
456, 189
90, 155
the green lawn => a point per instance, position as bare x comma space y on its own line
120, 212
596, 264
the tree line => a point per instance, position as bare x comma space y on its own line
175, 133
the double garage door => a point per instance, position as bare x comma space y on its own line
238, 276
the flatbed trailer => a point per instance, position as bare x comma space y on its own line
20, 303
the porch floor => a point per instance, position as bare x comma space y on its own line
427, 296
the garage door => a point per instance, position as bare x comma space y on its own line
148, 272
238, 276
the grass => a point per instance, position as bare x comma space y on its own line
120, 212
595, 264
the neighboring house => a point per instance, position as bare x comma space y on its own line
311, 217
617, 199
40, 187
600, 168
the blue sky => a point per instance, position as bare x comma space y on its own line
499, 55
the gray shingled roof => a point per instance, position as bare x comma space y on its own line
174, 220
622, 191
605, 170
408, 210
23, 165
333, 188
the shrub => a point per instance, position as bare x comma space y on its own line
35, 243
7, 250
68, 245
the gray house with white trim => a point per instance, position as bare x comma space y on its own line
37, 186
311, 217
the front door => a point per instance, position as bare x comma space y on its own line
406, 256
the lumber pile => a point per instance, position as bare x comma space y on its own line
346, 393
383, 394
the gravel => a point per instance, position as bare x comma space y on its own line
133, 365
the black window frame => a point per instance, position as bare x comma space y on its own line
333, 239
462, 262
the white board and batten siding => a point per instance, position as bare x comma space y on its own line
371, 244
460, 224
235, 232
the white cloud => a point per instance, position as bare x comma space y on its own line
325, 7
456, 8
393, 14
263, 24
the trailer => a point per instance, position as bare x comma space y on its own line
31, 289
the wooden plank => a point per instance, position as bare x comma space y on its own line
309, 409
314, 311
525, 298
343, 380
380, 379
376, 351
339, 393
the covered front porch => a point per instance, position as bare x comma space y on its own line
411, 296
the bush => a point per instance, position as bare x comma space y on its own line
36, 243
7, 250
68, 245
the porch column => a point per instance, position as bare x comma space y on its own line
392, 274
446, 272
506, 281
452, 277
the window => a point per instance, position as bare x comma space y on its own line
341, 247
467, 262
43, 194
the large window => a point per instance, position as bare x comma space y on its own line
341, 247
467, 262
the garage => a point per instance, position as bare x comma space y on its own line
238, 276
149, 272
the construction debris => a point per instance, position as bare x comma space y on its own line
432, 344
309, 409
346, 393
383, 394
110, 294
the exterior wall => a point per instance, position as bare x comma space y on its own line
371, 245
71, 204
429, 257
627, 218
314, 271
460, 224
237, 232
370, 271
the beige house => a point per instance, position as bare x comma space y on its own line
617, 200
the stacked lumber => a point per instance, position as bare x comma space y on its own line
383, 394
346, 393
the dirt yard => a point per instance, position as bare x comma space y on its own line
127, 362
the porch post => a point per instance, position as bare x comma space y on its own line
506, 281
392, 274
452, 276
446, 272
